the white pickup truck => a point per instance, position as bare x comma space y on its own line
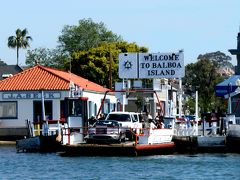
128, 120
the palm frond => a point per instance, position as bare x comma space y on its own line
12, 43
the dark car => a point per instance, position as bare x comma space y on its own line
106, 131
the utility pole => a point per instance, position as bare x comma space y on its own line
110, 70
196, 112
180, 97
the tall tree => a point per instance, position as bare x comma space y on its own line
21, 40
95, 65
84, 36
203, 76
48, 57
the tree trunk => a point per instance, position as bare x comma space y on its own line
17, 54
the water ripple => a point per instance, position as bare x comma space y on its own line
173, 167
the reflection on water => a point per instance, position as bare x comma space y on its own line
52, 166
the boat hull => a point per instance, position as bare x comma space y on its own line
155, 149
123, 149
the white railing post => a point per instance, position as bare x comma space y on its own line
196, 113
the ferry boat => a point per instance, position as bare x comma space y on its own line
150, 141
73, 133
147, 141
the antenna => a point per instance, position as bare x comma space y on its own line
70, 70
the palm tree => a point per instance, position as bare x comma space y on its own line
19, 41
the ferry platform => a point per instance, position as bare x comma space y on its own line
122, 149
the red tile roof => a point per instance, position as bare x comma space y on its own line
41, 77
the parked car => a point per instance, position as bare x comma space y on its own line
129, 120
106, 131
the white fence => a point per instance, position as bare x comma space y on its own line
186, 128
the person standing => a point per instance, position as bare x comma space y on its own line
214, 122
159, 120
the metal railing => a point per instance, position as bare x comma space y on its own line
203, 128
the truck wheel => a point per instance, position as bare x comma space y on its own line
131, 137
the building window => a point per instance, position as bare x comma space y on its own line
90, 109
95, 109
106, 106
147, 83
8, 110
38, 111
112, 107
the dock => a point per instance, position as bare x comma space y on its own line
200, 144
38, 144
205, 144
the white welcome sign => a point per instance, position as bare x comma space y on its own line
151, 65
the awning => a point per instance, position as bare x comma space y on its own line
228, 87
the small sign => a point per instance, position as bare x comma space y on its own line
128, 65
31, 95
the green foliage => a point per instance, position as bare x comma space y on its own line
87, 46
84, 36
47, 57
203, 76
189, 106
21, 40
94, 64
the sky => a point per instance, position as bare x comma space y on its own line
194, 26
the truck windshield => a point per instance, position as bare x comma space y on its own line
107, 123
119, 117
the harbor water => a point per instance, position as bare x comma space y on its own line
15, 165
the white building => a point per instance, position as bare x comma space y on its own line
21, 98
152, 95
